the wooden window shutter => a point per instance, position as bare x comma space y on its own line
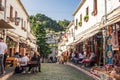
22, 23
76, 22
80, 22
0, 1
16, 23
11, 14
81, 17
25, 25
95, 4
94, 8
0, 5
87, 11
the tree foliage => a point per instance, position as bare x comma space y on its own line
41, 25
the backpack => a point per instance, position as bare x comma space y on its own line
18, 69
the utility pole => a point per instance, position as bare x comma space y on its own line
104, 34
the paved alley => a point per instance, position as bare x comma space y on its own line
53, 72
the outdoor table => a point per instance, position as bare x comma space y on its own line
11, 60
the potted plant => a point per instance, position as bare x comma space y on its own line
76, 27
80, 23
86, 17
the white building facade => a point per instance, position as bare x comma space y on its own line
19, 38
95, 21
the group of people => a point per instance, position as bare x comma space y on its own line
82, 57
28, 61
52, 59
23, 60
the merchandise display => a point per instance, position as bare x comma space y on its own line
107, 72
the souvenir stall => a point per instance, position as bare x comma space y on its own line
110, 71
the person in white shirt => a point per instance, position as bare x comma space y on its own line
81, 56
24, 61
72, 56
3, 50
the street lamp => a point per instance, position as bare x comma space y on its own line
17, 19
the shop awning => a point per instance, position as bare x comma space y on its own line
112, 17
86, 36
5, 25
13, 38
87, 33
23, 41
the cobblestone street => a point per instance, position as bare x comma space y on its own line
53, 72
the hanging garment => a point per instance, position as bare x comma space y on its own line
114, 41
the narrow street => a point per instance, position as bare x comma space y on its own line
53, 72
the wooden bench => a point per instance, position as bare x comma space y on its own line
33, 64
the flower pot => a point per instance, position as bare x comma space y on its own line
76, 27
86, 19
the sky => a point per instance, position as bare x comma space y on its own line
55, 9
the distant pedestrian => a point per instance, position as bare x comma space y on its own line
51, 59
3, 50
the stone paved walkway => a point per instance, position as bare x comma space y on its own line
53, 72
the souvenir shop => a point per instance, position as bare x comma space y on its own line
110, 71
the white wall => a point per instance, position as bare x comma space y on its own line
92, 19
111, 5
2, 12
21, 13
70, 37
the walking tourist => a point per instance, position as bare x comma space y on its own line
3, 50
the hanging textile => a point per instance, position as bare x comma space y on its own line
114, 41
109, 51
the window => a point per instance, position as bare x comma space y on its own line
0, 1
22, 23
94, 8
11, 14
1, 6
81, 17
16, 23
87, 11
25, 25
76, 22
80, 22
86, 17
76, 26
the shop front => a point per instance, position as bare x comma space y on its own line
12, 45
111, 69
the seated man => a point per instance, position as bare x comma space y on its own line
34, 62
24, 61
90, 59
18, 68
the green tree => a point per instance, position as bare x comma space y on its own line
41, 25
63, 24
